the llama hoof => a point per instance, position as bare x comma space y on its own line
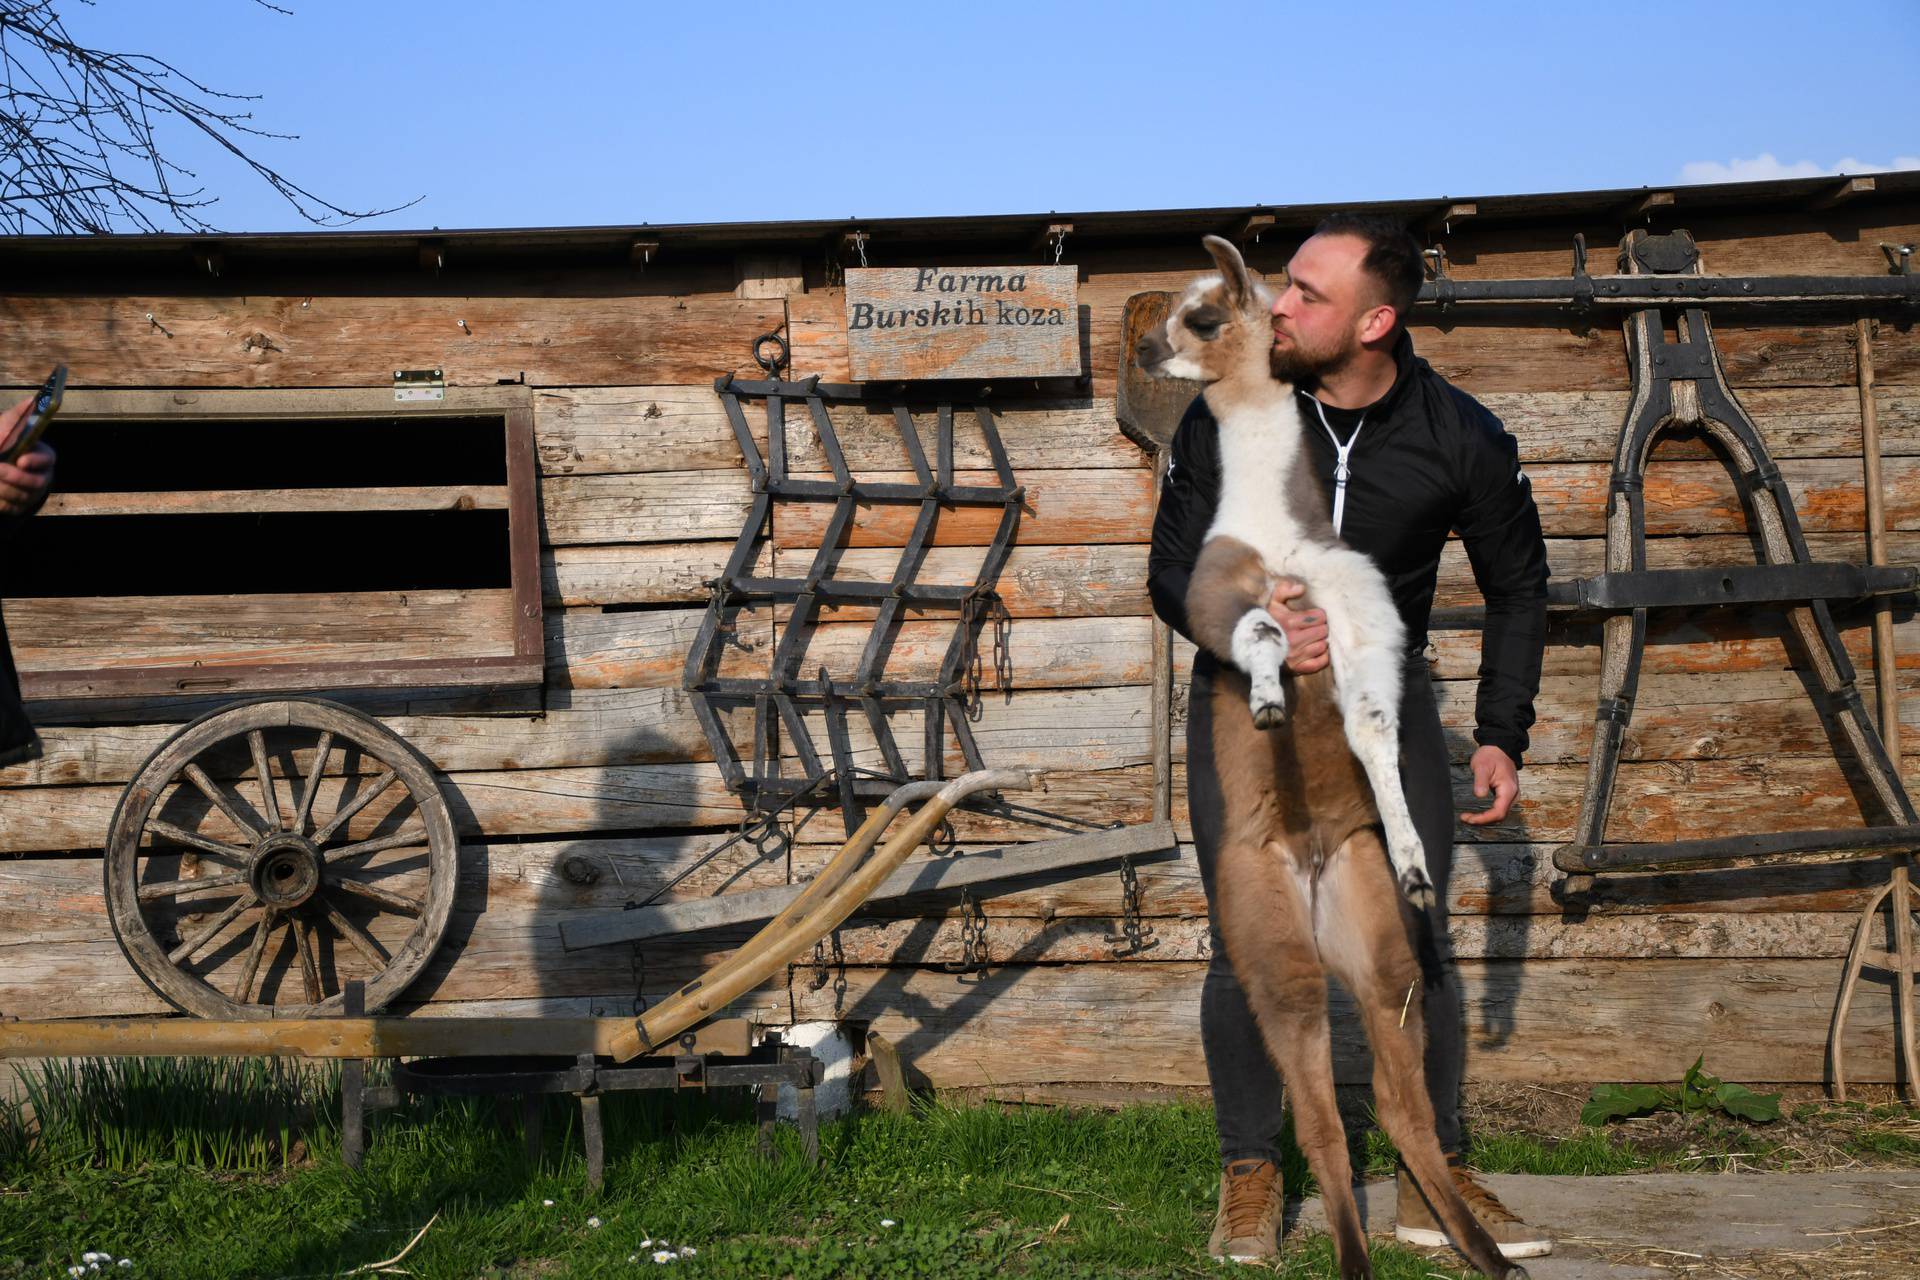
1517, 1273
1418, 889
1269, 715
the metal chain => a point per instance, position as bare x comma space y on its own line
994, 609
1133, 936
973, 937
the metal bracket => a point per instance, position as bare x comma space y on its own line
419, 384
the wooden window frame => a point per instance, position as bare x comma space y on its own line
525, 666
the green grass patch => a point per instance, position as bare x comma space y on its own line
947, 1191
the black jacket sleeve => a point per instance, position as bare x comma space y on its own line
1187, 501
1500, 528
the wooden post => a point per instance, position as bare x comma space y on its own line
1162, 686
1899, 955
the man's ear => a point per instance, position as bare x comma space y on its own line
1233, 269
1379, 322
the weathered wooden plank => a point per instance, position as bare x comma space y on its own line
1069, 802
580, 727
359, 340
917, 875
199, 502
1663, 800
655, 506
1035, 729
611, 430
581, 431
648, 649
1487, 879
1713, 642
1037, 581
104, 633
1679, 716
1022, 940
1580, 557
1096, 581
502, 942
636, 649
1762, 1020
1675, 717
1779, 241
1699, 497
1795, 422
1052, 435
655, 573
1074, 507
493, 803
1044, 653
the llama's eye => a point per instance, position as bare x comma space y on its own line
1204, 332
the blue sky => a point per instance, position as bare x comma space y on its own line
595, 112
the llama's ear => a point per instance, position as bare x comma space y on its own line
1233, 269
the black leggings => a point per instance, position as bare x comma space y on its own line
1246, 1087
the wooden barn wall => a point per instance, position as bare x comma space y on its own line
643, 492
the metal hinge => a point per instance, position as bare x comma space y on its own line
419, 384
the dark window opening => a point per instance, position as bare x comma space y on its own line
255, 553
245, 547
144, 456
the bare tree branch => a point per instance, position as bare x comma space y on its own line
81, 136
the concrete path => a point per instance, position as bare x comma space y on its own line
1707, 1216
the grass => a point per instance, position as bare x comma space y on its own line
208, 1173
203, 1169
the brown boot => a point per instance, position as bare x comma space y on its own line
1415, 1223
1246, 1227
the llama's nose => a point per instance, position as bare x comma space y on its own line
1146, 351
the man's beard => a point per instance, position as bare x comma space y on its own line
1295, 364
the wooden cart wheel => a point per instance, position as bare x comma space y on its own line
272, 851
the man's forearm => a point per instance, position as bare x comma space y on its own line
1512, 643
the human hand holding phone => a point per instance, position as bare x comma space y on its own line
26, 473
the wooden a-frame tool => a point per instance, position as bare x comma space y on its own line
1679, 382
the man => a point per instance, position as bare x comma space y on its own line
23, 488
1404, 458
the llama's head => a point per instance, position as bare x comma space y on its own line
1220, 328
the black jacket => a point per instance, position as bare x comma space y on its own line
1429, 459
17, 739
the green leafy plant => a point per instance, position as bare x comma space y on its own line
1697, 1091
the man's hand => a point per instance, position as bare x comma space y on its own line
25, 481
1306, 629
1493, 770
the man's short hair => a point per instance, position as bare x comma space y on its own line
1393, 255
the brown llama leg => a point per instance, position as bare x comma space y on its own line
1365, 941
1266, 924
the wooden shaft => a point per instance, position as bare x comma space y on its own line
1884, 672
333, 1037
1162, 687
772, 948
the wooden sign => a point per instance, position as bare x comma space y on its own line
906, 323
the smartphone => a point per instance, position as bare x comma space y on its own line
34, 425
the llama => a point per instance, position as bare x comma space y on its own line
1305, 884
